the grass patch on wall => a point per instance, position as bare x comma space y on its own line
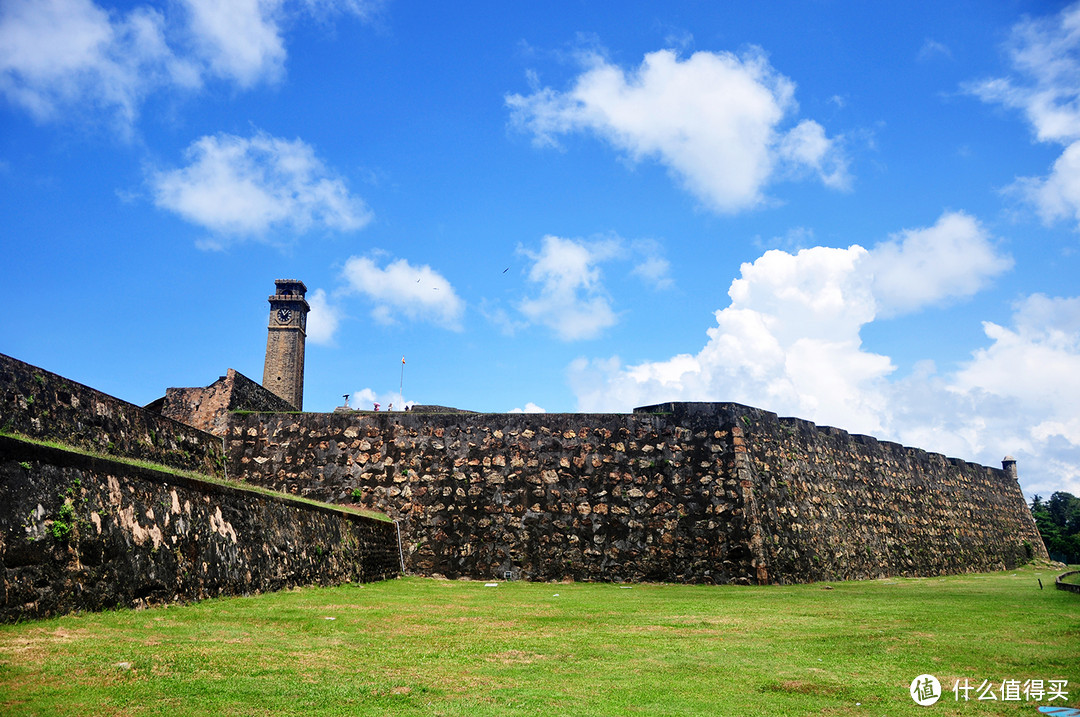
434, 647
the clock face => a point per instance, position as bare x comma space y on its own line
284, 316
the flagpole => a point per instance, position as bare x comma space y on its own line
401, 397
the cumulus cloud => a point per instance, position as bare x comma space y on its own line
1046, 335
323, 319
401, 290
789, 340
240, 187
954, 258
1045, 88
1021, 392
530, 407
59, 57
570, 297
571, 302
715, 120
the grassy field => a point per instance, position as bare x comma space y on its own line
433, 647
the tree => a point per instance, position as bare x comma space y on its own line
1058, 521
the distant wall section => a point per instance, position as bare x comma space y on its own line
831, 505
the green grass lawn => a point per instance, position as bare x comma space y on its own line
434, 647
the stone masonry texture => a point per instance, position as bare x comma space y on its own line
685, 492
83, 533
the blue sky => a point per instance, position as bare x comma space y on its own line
864, 217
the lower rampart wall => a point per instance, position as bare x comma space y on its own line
675, 492
84, 533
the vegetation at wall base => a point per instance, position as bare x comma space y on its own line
1058, 520
435, 647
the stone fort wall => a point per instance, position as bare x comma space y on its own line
44, 405
677, 492
85, 532
586, 497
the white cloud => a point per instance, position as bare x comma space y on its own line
572, 302
1045, 87
931, 49
239, 40
323, 319
363, 9
789, 341
417, 293
1037, 361
243, 188
806, 147
714, 119
955, 258
530, 407
59, 58
571, 299
651, 266
655, 271
1020, 393
1043, 52
68, 54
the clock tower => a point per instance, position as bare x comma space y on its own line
283, 372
